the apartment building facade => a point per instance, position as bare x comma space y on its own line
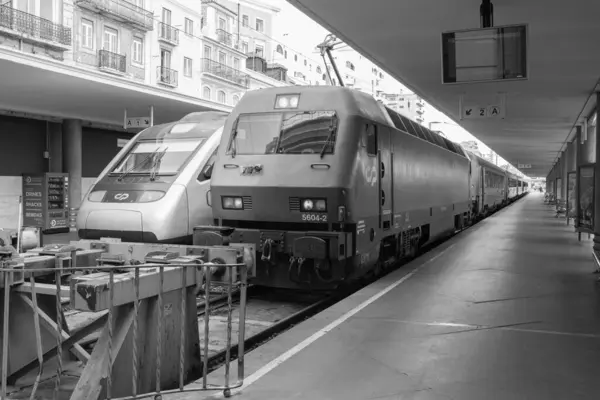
408, 104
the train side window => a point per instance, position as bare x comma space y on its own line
371, 140
206, 172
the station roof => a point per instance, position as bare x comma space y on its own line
39, 86
404, 39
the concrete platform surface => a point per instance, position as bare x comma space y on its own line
508, 309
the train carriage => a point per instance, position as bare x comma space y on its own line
488, 186
330, 185
155, 189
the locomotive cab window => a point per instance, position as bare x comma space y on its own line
298, 132
371, 139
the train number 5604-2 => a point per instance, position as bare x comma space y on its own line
314, 217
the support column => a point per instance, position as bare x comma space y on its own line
577, 179
72, 160
54, 132
597, 189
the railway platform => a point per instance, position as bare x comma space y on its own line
508, 309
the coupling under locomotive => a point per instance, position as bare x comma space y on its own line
330, 185
155, 190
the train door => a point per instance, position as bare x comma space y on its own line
385, 177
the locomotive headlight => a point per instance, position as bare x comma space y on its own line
287, 100
151, 195
320, 205
96, 196
307, 205
232, 203
317, 205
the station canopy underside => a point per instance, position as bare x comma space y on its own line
42, 89
404, 39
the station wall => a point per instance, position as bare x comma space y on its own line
23, 143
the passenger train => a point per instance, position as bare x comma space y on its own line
155, 190
331, 185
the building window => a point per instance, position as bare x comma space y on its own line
189, 26
87, 34
236, 98
187, 67
260, 25
236, 63
296, 57
206, 93
245, 21
165, 59
222, 58
259, 51
245, 47
318, 69
305, 63
221, 97
285, 54
222, 24
111, 40
207, 52
279, 49
137, 53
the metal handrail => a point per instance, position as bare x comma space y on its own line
35, 26
223, 71
224, 37
167, 75
108, 59
124, 9
168, 32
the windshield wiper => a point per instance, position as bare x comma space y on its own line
329, 140
155, 163
232, 146
137, 165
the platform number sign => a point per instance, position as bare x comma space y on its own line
479, 112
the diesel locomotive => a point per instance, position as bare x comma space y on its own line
155, 190
331, 185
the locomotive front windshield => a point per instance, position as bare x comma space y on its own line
299, 132
158, 157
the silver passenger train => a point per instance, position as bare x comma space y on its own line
155, 190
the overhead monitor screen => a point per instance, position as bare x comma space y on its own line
484, 55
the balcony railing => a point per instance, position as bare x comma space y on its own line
122, 10
168, 33
224, 37
167, 76
34, 26
223, 71
113, 61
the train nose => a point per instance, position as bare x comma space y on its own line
106, 221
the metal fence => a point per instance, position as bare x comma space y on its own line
126, 301
33, 25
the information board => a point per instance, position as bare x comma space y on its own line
46, 201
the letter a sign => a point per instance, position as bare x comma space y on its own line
494, 112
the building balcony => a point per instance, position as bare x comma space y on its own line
168, 34
34, 29
167, 76
224, 37
223, 71
112, 62
121, 10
